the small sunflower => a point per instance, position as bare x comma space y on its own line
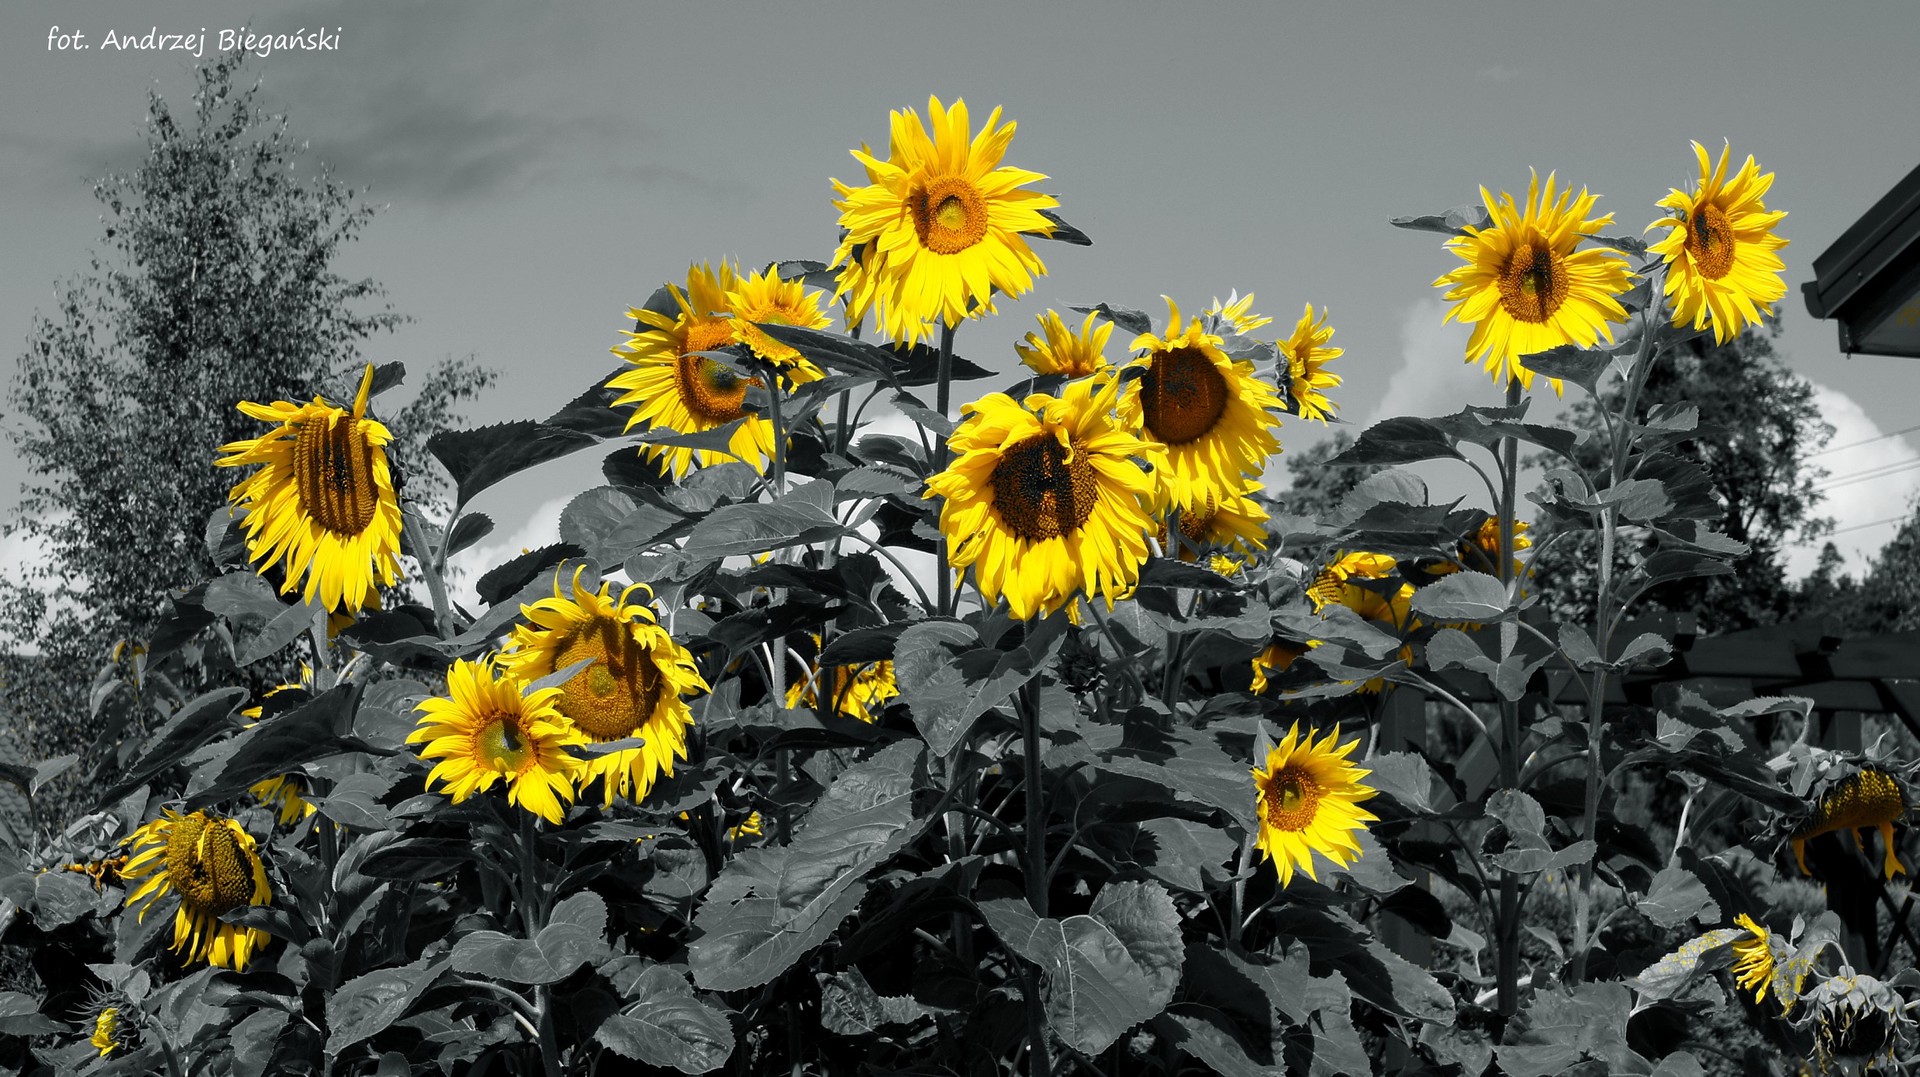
284, 793
1525, 288
489, 728
211, 863
1753, 959
1277, 657
1063, 351
939, 226
674, 387
631, 689
1308, 798
1307, 355
765, 297
1363, 582
1868, 798
1235, 523
1236, 313
323, 499
750, 827
858, 692
1047, 498
106, 1031
1720, 250
1481, 551
1212, 414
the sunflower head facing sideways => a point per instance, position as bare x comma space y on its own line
488, 728
631, 688
1308, 796
765, 297
211, 863
1723, 264
1236, 523
674, 386
1236, 314
1525, 287
1061, 350
1048, 498
323, 501
860, 692
940, 225
1212, 415
1307, 353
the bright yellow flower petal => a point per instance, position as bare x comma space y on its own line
489, 728
1308, 796
1722, 264
212, 864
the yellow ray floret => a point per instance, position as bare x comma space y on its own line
1063, 351
1308, 796
489, 728
1307, 353
1720, 249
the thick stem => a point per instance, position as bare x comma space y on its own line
1037, 1062
943, 391
1507, 930
436, 586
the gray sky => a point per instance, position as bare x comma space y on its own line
543, 170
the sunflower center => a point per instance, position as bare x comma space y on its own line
709, 388
615, 696
1194, 524
502, 743
1043, 490
333, 474
1293, 798
1182, 395
948, 215
207, 866
1710, 241
1534, 284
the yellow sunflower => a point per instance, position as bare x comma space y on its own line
764, 297
1307, 355
106, 1031
858, 692
323, 499
284, 793
1047, 498
1525, 288
211, 863
1237, 313
1235, 523
1721, 265
1063, 351
1339, 584
1278, 657
631, 689
1308, 798
1481, 551
674, 388
750, 827
1869, 798
1753, 958
487, 728
939, 225
1210, 412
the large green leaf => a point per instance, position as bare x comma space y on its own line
849, 1006
1563, 1027
802, 515
1400, 440
20, 1016
1677, 896
192, 725
666, 1024
947, 681
480, 457
364, 1006
576, 934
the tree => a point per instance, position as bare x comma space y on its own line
1316, 488
1758, 426
1886, 598
216, 284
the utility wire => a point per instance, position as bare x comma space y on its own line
1871, 473
1868, 441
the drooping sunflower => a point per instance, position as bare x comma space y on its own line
1307, 354
1868, 798
858, 691
631, 689
1235, 523
1063, 351
939, 226
673, 387
323, 500
1753, 962
1210, 412
489, 728
1308, 798
1720, 248
1481, 551
765, 297
1525, 288
1048, 498
211, 863
1237, 313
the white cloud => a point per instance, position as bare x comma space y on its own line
542, 528
1870, 478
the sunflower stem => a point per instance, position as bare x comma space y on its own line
1029, 706
1508, 927
772, 377
1119, 652
943, 392
436, 586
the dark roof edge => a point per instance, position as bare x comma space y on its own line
1886, 229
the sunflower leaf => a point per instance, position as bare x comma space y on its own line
593, 412
1570, 362
365, 1006
504, 580
835, 352
666, 1024
1062, 231
1453, 222
1463, 596
472, 527
1399, 440
802, 515
480, 457
1677, 896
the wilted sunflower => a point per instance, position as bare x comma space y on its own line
1235, 523
1721, 264
858, 692
1307, 355
323, 499
1481, 551
211, 863
1859, 1022
672, 387
487, 728
1064, 351
1869, 798
1210, 412
939, 225
1236, 313
1525, 288
1308, 797
1047, 498
765, 297
1753, 962
631, 689
106, 1031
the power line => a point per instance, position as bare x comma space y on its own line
1868, 441
1871, 473
1860, 527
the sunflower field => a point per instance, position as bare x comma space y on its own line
1036, 737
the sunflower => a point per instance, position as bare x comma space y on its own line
106, 1031
1063, 351
1210, 412
1234, 522
860, 692
1277, 657
1721, 265
323, 499
210, 861
1860, 1023
1308, 797
1481, 551
1753, 963
939, 226
284, 793
750, 827
489, 727
765, 297
672, 387
1307, 355
1867, 798
1346, 581
1047, 498
1236, 313
1524, 286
